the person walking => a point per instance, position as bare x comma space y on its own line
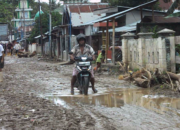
1, 62
9, 47
100, 60
17, 47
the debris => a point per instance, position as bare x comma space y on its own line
146, 79
33, 54
142, 82
170, 81
26, 54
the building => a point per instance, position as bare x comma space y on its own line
23, 20
165, 6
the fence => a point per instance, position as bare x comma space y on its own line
149, 52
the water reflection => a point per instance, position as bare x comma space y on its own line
120, 97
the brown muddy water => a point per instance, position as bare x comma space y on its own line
121, 97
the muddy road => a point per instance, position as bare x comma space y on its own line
35, 95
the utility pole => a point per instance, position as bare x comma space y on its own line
50, 39
24, 28
40, 28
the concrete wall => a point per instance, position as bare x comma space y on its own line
32, 47
38, 49
149, 53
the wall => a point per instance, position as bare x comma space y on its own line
32, 47
150, 53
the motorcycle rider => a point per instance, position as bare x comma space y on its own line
82, 49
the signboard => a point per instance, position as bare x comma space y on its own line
3, 32
3, 29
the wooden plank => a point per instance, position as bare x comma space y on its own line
177, 40
177, 59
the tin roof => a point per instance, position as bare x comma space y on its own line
127, 28
81, 14
126, 11
165, 6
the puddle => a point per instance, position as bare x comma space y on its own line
121, 97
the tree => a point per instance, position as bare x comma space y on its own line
56, 20
6, 13
131, 3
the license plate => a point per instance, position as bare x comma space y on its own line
84, 67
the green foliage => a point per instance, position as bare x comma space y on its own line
56, 20
6, 12
161, 86
136, 69
177, 48
154, 30
132, 3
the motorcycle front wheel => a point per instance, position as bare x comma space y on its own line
86, 85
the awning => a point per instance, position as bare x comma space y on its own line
37, 37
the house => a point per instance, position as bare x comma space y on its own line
74, 17
148, 24
23, 24
124, 23
166, 5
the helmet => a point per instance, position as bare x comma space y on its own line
81, 36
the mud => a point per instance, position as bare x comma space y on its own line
35, 95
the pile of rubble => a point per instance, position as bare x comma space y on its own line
146, 79
26, 54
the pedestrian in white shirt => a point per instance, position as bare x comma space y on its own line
1, 62
17, 47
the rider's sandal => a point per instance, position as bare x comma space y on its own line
95, 91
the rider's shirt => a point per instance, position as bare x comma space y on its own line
88, 51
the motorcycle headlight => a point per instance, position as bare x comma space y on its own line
89, 68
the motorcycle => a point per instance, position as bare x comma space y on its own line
83, 65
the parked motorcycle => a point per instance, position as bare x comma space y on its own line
83, 65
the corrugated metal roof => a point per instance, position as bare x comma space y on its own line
128, 28
165, 6
160, 19
126, 11
84, 8
81, 14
